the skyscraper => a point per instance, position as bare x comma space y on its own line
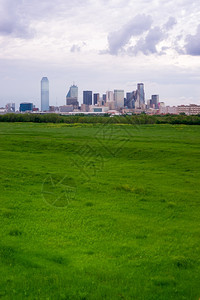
87, 97
154, 101
73, 92
72, 96
119, 98
130, 100
109, 96
44, 94
140, 97
96, 98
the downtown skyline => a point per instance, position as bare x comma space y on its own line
101, 46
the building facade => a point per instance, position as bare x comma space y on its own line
140, 96
130, 100
72, 101
73, 91
44, 94
192, 109
10, 107
96, 98
66, 108
109, 96
173, 110
154, 101
119, 98
26, 106
87, 97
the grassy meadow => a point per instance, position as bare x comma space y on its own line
104, 211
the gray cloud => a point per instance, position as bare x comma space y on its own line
192, 46
135, 27
148, 44
75, 48
12, 21
170, 23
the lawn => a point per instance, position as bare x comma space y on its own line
99, 211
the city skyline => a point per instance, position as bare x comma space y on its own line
111, 102
101, 46
116, 100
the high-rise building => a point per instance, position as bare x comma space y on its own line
155, 101
72, 96
109, 96
130, 100
140, 96
119, 98
73, 92
96, 98
72, 101
87, 97
44, 94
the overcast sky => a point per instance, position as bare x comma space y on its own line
100, 45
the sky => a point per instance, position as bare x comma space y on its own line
99, 45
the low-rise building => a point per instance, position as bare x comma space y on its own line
192, 109
96, 109
173, 110
66, 108
26, 107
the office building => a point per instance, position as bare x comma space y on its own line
109, 96
168, 110
10, 107
72, 101
192, 109
140, 96
26, 106
87, 97
96, 98
119, 98
98, 109
72, 96
154, 101
66, 108
73, 92
130, 100
44, 94
85, 108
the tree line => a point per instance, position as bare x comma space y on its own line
103, 119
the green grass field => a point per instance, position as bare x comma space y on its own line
99, 211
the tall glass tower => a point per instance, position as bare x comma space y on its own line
140, 96
44, 94
119, 98
87, 97
140, 88
73, 92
